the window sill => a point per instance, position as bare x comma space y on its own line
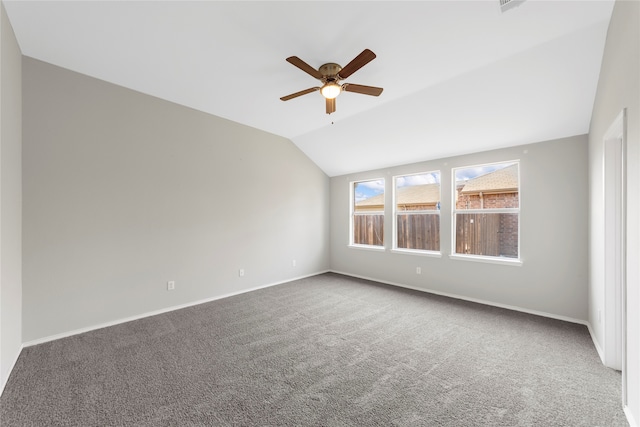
486, 259
368, 248
432, 254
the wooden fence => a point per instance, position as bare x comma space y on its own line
493, 234
419, 231
487, 234
368, 229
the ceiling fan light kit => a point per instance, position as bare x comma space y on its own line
330, 75
331, 90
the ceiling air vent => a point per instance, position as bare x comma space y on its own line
509, 4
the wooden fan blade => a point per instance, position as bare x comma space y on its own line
304, 67
358, 62
331, 105
365, 90
297, 94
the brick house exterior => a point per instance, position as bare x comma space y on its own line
494, 190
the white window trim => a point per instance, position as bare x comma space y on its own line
367, 247
484, 258
487, 259
489, 211
394, 213
418, 252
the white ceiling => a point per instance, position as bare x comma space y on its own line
458, 76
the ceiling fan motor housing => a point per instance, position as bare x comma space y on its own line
330, 71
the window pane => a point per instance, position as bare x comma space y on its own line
417, 200
487, 187
418, 231
493, 234
418, 192
368, 212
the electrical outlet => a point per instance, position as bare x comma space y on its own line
418, 270
293, 263
171, 285
241, 272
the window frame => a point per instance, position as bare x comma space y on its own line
395, 211
352, 214
455, 211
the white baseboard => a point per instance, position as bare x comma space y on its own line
13, 364
630, 419
596, 343
464, 298
156, 312
431, 291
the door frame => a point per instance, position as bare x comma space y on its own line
614, 200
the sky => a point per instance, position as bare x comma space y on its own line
365, 189
463, 174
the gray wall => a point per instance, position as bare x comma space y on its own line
618, 88
10, 199
124, 192
553, 276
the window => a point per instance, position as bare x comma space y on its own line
368, 213
486, 210
417, 212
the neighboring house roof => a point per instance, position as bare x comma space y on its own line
418, 194
505, 179
411, 195
371, 201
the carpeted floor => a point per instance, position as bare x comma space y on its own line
323, 351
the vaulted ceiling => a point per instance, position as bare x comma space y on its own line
458, 76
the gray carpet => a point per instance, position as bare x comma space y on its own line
323, 351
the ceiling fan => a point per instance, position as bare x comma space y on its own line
330, 75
